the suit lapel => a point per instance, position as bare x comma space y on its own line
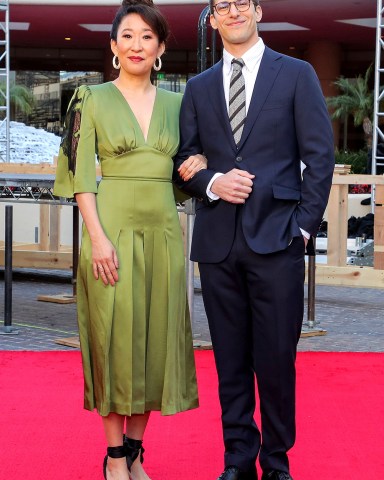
269, 69
215, 90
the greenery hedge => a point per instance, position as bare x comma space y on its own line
357, 160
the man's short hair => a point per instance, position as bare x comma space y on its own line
212, 2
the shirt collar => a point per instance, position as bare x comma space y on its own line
251, 57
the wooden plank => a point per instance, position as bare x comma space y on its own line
69, 342
59, 298
54, 227
43, 168
379, 195
39, 259
44, 227
337, 225
312, 332
33, 246
27, 168
358, 179
378, 233
20, 246
342, 169
349, 276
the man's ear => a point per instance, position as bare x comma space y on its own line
259, 13
212, 21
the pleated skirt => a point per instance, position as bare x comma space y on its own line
135, 337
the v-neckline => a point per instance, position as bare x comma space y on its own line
134, 116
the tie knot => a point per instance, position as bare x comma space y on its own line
237, 64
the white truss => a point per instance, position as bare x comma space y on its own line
378, 116
4, 81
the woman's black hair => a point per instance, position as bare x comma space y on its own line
148, 12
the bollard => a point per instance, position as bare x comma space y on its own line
309, 329
75, 248
190, 212
311, 291
7, 329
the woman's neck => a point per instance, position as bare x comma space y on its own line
134, 84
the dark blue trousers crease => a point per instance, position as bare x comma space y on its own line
254, 304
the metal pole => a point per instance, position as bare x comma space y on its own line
190, 204
308, 329
202, 41
75, 248
7, 329
190, 267
8, 266
378, 113
213, 47
311, 291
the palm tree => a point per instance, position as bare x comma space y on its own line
20, 97
356, 99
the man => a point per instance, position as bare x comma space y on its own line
255, 215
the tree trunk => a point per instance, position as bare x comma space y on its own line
368, 130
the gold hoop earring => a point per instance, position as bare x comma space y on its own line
115, 62
159, 64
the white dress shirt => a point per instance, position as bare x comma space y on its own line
252, 59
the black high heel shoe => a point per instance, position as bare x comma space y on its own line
114, 452
133, 449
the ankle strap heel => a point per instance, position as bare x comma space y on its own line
113, 452
133, 448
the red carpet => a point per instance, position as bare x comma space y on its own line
45, 434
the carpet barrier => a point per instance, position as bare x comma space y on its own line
46, 435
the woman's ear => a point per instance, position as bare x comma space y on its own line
114, 47
161, 49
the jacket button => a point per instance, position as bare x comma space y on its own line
239, 159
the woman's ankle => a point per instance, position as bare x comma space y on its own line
138, 472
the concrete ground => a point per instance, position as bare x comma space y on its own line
351, 318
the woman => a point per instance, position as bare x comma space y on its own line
133, 321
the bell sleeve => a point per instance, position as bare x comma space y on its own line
76, 165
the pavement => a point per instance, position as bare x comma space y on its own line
346, 318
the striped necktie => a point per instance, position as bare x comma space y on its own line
236, 110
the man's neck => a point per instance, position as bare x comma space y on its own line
238, 50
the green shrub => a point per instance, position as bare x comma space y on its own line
357, 160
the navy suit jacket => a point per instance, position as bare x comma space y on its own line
287, 122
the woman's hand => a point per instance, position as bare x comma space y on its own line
192, 165
104, 261
104, 257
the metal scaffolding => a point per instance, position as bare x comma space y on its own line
4, 81
203, 48
378, 116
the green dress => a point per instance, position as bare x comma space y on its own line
135, 337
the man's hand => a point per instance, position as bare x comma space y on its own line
234, 186
192, 165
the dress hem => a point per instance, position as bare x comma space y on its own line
127, 410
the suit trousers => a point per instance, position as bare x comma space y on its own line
255, 305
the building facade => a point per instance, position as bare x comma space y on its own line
336, 36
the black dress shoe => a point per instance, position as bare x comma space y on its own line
276, 475
234, 473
